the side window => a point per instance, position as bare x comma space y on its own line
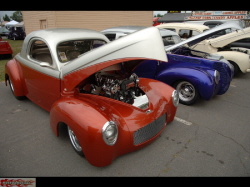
40, 52
195, 33
245, 40
171, 29
111, 37
168, 40
185, 33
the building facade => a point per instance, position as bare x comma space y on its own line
95, 20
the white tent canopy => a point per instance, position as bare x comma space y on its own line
21, 24
11, 23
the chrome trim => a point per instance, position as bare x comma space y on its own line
175, 98
216, 76
149, 131
105, 138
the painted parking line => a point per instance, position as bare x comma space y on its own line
182, 121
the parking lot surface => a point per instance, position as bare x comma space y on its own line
210, 138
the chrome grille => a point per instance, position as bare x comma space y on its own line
223, 74
149, 131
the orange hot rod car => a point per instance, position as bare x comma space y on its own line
87, 84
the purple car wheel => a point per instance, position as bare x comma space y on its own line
188, 94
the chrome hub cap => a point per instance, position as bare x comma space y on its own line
186, 91
74, 140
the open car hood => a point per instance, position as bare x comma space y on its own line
226, 39
145, 43
205, 35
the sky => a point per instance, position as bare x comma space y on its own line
160, 12
9, 13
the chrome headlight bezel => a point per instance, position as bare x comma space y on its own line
216, 76
175, 98
110, 133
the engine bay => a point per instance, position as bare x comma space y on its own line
115, 83
194, 53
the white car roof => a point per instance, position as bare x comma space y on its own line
131, 29
123, 29
184, 25
56, 35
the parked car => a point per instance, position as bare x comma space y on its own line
213, 23
189, 29
5, 49
108, 111
4, 32
224, 42
168, 37
16, 33
185, 30
194, 74
155, 21
242, 44
235, 47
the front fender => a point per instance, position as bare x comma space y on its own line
241, 59
202, 80
86, 121
12, 72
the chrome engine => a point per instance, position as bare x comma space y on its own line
116, 87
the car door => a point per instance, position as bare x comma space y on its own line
40, 74
242, 43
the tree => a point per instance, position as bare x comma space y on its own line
6, 18
17, 16
158, 15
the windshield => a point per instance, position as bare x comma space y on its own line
18, 29
170, 40
69, 50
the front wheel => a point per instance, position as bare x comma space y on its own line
74, 142
236, 68
188, 94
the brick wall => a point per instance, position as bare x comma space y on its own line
95, 20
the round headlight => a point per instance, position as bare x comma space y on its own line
110, 132
175, 98
216, 76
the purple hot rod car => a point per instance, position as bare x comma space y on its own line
194, 74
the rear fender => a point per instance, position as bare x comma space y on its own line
13, 73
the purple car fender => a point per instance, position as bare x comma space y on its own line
201, 79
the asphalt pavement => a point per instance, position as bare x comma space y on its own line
210, 138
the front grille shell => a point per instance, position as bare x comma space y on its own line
149, 131
224, 77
